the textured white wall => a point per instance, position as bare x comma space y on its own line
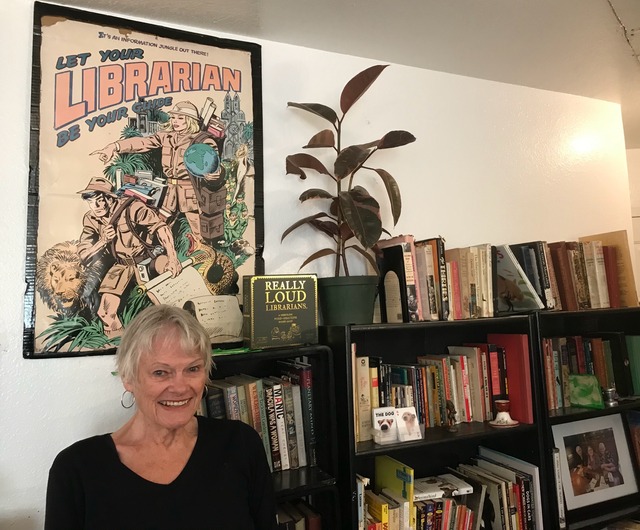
493, 163
633, 165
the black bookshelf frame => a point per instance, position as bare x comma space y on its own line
315, 483
589, 322
402, 343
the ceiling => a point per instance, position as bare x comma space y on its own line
583, 47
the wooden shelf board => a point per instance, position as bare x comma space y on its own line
566, 415
440, 435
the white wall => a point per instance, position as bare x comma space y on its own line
493, 163
633, 165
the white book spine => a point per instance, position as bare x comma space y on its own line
555, 293
431, 283
454, 393
450, 291
364, 398
297, 411
601, 274
562, 522
592, 280
484, 281
409, 272
485, 383
489, 280
422, 274
281, 425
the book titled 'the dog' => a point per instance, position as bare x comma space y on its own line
280, 311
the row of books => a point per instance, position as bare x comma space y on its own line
280, 408
422, 280
472, 377
495, 491
298, 516
611, 356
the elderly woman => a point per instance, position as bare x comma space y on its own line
166, 467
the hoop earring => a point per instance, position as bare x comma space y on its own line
133, 400
206, 391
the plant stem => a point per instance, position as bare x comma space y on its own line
339, 242
360, 167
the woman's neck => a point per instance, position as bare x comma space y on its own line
139, 430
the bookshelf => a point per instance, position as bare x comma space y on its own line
315, 483
402, 343
590, 322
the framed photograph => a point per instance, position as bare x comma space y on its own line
595, 461
633, 420
145, 182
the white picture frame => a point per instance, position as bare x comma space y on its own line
595, 462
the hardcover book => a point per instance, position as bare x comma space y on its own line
626, 280
514, 288
561, 265
280, 310
301, 374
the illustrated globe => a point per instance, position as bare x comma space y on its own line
201, 159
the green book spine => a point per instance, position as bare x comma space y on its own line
633, 347
608, 361
263, 421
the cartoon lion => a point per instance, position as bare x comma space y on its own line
66, 285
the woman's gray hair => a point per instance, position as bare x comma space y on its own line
138, 337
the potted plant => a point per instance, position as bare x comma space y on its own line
352, 216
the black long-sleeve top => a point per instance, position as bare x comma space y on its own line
226, 485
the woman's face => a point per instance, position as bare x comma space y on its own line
178, 122
579, 450
590, 450
170, 383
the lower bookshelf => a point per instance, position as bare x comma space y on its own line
439, 449
316, 484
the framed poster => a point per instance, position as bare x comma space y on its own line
594, 460
145, 182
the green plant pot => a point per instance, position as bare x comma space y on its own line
347, 299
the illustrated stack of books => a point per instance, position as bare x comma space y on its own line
610, 356
421, 280
298, 515
494, 491
472, 377
279, 408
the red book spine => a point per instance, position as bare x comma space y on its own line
455, 283
548, 369
516, 348
465, 386
495, 373
611, 268
562, 269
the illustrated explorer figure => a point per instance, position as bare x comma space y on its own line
180, 132
129, 232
